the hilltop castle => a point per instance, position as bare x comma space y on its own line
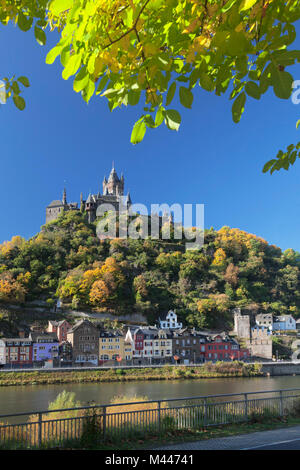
113, 193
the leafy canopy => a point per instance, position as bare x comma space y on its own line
133, 51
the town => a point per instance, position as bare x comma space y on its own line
88, 344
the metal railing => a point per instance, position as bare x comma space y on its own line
96, 423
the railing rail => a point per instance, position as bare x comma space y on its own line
43, 429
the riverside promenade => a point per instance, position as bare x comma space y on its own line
278, 439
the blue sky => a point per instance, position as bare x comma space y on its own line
211, 160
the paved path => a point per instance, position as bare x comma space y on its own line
279, 439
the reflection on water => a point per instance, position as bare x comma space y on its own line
18, 399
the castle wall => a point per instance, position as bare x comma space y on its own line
53, 213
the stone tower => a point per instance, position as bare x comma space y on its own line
113, 186
241, 324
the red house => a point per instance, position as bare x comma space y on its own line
16, 351
221, 347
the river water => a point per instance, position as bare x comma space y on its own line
18, 399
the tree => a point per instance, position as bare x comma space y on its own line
146, 51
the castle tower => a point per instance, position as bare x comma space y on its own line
64, 199
113, 185
81, 203
90, 207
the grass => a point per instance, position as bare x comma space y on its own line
207, 370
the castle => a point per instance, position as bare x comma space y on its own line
113, 193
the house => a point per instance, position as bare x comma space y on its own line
65, 353
135, 337
284, 323
265, 319
220, 347
188, 346
16, 352
147, 343
60, 328
45, 347
111, 346
84, 338
169, 321
162, 347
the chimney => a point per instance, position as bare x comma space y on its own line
21, 334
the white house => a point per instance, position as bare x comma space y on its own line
169, 320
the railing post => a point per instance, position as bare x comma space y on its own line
40, 429
205, 412
104, 422
158, 418
281, 404
246, 406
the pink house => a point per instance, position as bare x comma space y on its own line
60, 328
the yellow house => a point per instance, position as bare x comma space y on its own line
162, 347
112, 346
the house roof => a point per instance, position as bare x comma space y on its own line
80, 323
36, 337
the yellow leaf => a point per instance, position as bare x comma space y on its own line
247, 4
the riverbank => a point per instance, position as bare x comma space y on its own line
208, 370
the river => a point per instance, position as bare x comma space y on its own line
18, 399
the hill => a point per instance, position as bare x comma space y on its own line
66, 260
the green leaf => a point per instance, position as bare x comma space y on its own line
186, 97
172, 119
159, 117
72, 66
170, 94
19, 102
65, 56
23, 22
88, 91
282, 83
228, 5
138, 131
149, 121
51, 56
81, 80
58, 6
24, 81
134, 97
297, 124
252, 89
40, 35
268, 165
102, 84
206, 82
15, 87
238, 107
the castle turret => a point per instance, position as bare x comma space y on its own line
81, 203
113, 185
64, 199
90, 207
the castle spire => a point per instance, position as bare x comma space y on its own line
64, 199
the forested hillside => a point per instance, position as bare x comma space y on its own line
233, 269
